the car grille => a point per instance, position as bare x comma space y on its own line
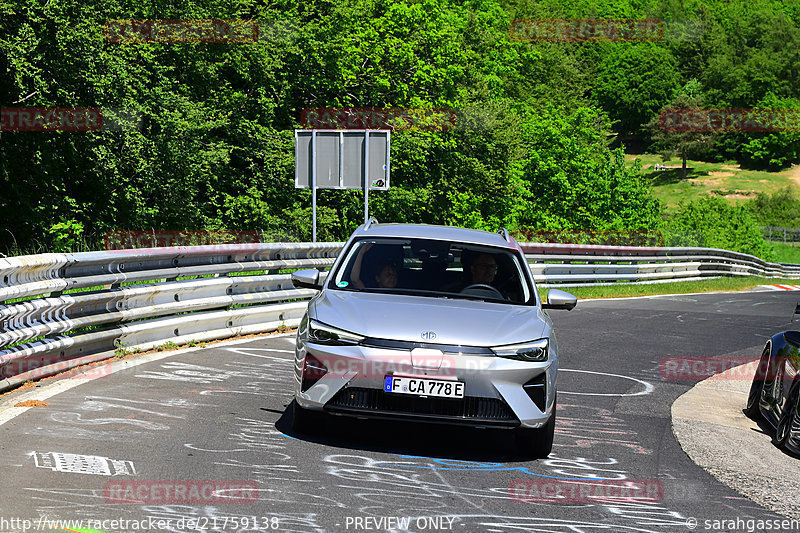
469, 410
373, 342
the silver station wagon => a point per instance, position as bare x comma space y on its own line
430, 323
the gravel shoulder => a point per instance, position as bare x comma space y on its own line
712, 429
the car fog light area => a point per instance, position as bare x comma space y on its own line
313, 371
527, 351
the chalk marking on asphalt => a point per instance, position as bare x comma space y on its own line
44, 392
246, 351
648, 387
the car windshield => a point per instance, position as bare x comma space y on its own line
434, 268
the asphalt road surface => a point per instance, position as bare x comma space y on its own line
140, 449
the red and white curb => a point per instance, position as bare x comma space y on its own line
782, 287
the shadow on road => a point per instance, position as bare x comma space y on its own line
408, 438
765, 428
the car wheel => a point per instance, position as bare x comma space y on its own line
753, 410
790, 419
537, 442
306, 420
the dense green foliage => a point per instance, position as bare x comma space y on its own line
781, 209
773, 150
634, 82
213, 146
712, 222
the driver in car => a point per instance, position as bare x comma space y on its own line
483, 269
479, 269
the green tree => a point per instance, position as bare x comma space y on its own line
751, 50
671, 142
569, 178
634, 82
778, 149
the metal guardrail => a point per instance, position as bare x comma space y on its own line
575, 265
133, 299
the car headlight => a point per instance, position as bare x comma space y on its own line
323, 334
526, 351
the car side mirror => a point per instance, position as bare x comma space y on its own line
308, 279
558, 299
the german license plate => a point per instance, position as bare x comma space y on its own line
424, 387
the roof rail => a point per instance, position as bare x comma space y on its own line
370, 222
504, 233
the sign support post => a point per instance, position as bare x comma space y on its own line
314, 186
366, 177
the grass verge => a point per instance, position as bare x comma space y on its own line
711, 285
786, 253
727, 180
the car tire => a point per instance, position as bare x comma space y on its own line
789, 417
537, 442
306, 420
753, 409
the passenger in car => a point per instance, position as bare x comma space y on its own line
385, 277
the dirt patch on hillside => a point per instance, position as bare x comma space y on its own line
705, 181
794, 174
735, 168
738, 195
720, 174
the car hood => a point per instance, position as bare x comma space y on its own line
454, 321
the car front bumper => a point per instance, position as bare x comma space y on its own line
498, 392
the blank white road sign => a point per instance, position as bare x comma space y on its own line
343, 158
